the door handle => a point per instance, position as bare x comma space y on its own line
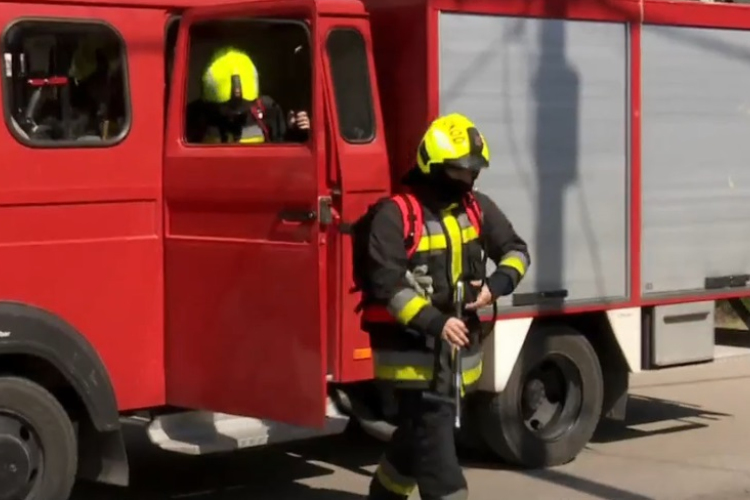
327, 212
297, 216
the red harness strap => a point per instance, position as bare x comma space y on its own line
258, 111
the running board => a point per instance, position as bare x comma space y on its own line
202, 432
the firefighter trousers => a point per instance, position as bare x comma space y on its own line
421, 454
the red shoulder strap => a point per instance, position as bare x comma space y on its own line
474, 212
413, 219
259, 110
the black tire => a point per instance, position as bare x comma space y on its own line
503, 421
44, 423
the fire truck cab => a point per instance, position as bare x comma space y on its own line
206, 289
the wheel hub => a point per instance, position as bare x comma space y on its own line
19, 459
551, 397
533, 394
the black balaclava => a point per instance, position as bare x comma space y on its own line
437, 185
447, 188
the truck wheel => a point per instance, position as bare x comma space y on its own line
551, 405
38, 448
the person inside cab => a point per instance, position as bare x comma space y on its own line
96, 89
231, 109
409, 308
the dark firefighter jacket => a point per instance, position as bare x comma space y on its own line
204, 124
408, 349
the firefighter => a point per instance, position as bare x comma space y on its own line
412, 345
231, 108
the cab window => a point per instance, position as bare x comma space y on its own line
249, 83
351, 85
65, 84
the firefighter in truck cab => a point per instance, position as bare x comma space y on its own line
420, 245
231, 109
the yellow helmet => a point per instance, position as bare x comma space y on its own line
453, 141
230, 74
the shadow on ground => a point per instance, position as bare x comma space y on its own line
274, 473
652, 416
258, 474
645, 417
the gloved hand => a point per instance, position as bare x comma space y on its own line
484, 297
420, 281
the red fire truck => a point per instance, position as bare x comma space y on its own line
207, 288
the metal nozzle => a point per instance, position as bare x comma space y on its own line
459, 298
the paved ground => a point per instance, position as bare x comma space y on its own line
686, 439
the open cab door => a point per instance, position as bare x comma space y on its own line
244, 243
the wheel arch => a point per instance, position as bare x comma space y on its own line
615, 335
39, 345
35, 332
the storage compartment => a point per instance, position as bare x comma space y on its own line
551, 98
680, 333
696, 152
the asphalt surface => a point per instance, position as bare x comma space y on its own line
686, 438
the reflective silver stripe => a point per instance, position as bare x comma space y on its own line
423, 359
463, 221
433, 228
519, 255
400, 300
252, 132
471, 361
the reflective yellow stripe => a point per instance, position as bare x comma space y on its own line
252, 140
411, 309
454, 235
516, 263
436, 242
404, 373
434, 239
411, 366
468, 234
470, 376
392, 480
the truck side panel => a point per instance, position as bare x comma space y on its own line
551, 98
81, 225
696, 181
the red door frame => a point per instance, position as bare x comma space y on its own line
361, 174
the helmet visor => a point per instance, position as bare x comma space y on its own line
473, 162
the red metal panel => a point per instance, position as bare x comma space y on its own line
362, 177
594, 10
245, 291
399, 31
82, 227
697, 14
344, 7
